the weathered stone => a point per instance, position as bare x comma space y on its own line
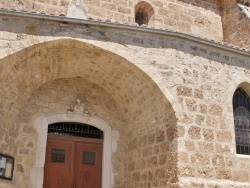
194, 132
198, 93
160, 136
208, 134
23, 151
191, 105
188, 171
241, 176
169, 95
224, 136
224, 174
205, 172
183, 157
20, 168
215, 109
200, 159
206, 147
184, 91
199, 119
190, 146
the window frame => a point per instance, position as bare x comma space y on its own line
241, 104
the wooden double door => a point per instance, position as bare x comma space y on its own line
73, 162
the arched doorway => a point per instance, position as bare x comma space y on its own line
73, 156
114, 89
109, 141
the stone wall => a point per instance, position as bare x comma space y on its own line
200, 18
130, 88
152, 148
173, 96
8, 141
236, 24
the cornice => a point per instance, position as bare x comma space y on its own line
116, 25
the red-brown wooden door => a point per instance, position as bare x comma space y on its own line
73, 162
59, 160
89, 166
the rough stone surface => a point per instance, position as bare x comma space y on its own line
236, 24
201, 18
170, 98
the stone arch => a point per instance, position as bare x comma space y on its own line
245, 86
32, 46
143, 13
149, 117
16, 62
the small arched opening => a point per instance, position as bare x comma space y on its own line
241, 109
143, 13
141, 17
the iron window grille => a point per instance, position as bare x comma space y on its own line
241, 109
58, 155
75, 129
89, 158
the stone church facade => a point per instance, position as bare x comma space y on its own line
158, 77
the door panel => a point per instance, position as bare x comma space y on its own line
88, 165
73, 162
59, 168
